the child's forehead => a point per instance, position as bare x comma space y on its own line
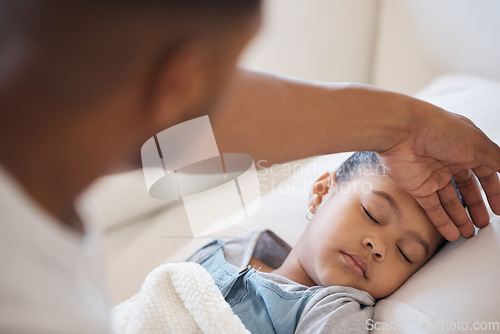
388, 194
385, 191
381, 183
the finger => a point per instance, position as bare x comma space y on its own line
488, 153
491, 186
434, 210
469, 189
456, 212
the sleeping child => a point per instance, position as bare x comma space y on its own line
367, 236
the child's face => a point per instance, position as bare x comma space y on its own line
343, 245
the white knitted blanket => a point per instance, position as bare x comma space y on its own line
177, 298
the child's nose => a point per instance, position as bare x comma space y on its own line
376, 248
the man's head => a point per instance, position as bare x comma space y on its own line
83, 84
84, 50
367, 232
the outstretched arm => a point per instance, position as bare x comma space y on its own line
277, 119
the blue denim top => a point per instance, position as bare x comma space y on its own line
262, 305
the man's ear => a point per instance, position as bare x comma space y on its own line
179, 84
321, 188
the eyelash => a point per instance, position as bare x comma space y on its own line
370, 216
376, 222
407, 259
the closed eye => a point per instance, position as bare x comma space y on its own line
370, 216
402, 253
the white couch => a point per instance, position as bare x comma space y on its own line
396, 44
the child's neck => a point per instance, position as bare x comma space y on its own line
293, 270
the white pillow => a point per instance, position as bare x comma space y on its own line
458, 290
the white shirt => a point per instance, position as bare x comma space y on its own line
51, 278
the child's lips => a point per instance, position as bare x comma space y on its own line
356, 263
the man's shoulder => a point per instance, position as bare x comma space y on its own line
50, 275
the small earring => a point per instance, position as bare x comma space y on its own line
308, 213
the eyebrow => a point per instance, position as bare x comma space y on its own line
394, 205
389, 199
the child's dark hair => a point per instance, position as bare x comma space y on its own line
366, 161
356, 164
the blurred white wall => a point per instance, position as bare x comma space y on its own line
323, 40
421, 39
400, 62
394, 44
